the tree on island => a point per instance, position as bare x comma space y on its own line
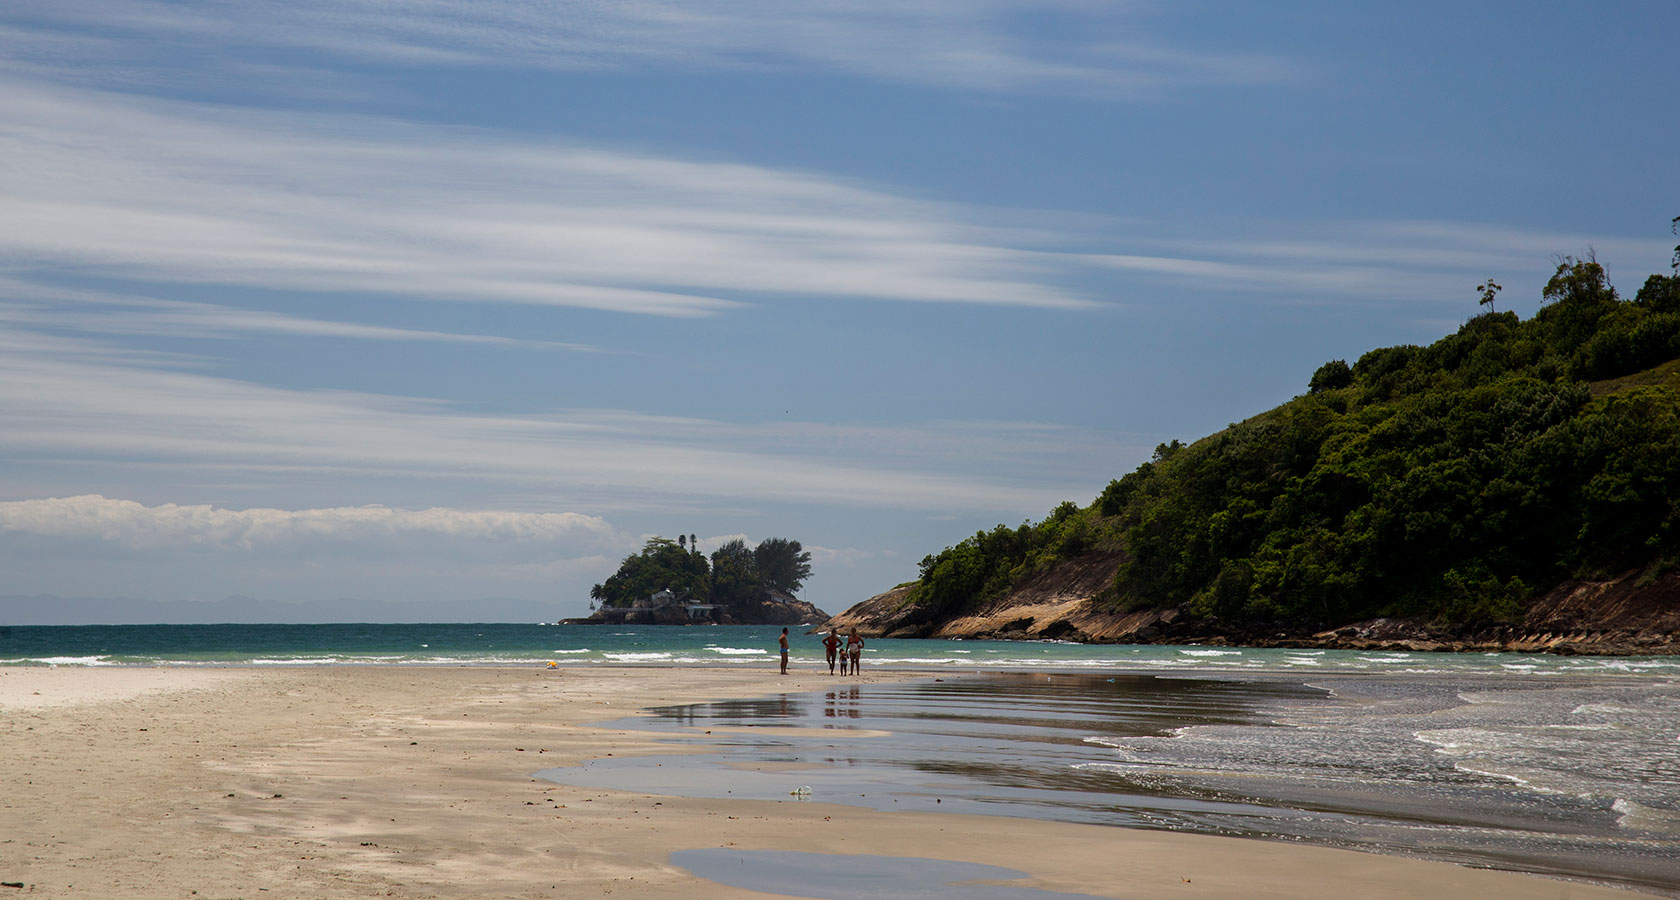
737, 575
661, 565
784, 564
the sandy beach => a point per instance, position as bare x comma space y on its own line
417, 782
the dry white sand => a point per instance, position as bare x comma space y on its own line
416, 782
34, 687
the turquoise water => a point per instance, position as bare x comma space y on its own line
745, 646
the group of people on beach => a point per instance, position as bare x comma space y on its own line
853, 652
850, 657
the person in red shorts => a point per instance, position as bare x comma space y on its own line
831, 645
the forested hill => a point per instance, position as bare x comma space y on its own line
1450, 486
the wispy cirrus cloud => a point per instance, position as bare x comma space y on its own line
1084, 47
189, 193
176, 192
1354, 261
103, 312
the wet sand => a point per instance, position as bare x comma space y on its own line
1397, 764
419, 782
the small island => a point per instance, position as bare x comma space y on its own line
673, 583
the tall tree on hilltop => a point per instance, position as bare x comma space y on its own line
1489, 290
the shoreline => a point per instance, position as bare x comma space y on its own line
360, 781
1628, 615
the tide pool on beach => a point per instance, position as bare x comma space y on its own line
1570, 776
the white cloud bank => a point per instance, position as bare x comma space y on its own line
136, 526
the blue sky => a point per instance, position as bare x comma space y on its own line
359, 310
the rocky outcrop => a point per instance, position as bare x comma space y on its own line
1055, 604
879, 616
1633, 614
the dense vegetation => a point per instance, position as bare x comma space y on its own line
735, 575
1453, 481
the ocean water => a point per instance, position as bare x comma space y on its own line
1567, 766
745, 645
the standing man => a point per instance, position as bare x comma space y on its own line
831, 644
783, 641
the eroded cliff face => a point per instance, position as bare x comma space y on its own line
876, 617
1629, 615
1056, 604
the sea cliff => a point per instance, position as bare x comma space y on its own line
1632, 614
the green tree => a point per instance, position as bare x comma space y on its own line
735, 575
662, 564
1577, 296
1333, 375
783, 563
1489, 290
1660, 294
1674, 228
